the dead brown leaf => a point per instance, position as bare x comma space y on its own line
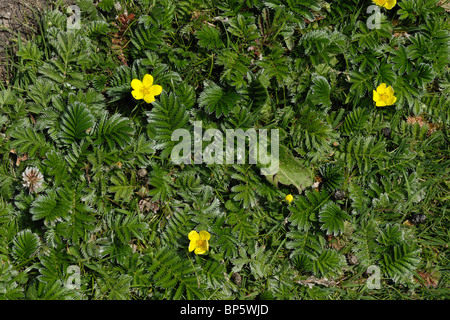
22, 158
312, 281
430, 279
421, 121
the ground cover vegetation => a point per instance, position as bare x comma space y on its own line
92, 207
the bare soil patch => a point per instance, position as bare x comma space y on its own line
16, 16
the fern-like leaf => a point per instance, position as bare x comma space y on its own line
175, 274
209, 37
305, 209
115, 130
75, 123
362, 152
332, 218
215, 99
28, 140
25, 245
167, 115
332, 176
329, 263
122, 187
401, 262
52, 206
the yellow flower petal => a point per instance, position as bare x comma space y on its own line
204, 235
155, 90
148, 80
149, 98
379, 2
389, 4
193, 235
376, 96
136, 84
192, 245
381, 88
384, 96
289, 198
137, 94
381, 104
390, 90
392, 100
199, 250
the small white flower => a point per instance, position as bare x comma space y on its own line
117, 6
315, 184
32, 179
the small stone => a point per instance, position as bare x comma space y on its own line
237, 279
339, 194
418, 218
386, 132
142, 173
352, 259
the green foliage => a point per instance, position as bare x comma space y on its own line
75, 122
209, 37
175, 275
362, 153
25, 245
329, 263
217, 100
291, 171
27, 140
332, 218
305, 212
332, 176
165, 117
369, 184
115, 130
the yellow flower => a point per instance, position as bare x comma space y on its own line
289, 198
145, 89
384, 96
199, 241
388, 4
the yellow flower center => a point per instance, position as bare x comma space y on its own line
145, 90
384, 96
201, 243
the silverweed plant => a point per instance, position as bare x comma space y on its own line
92, 206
